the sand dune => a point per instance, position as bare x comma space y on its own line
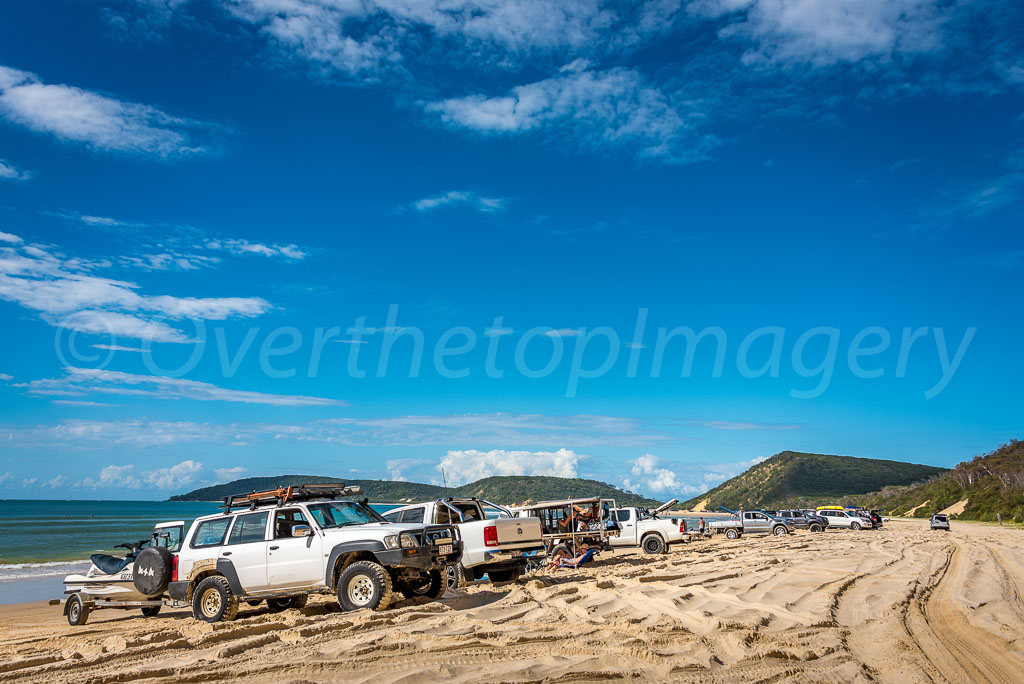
901, 604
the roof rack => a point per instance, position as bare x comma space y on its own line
282, 495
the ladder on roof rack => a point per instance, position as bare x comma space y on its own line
282, 495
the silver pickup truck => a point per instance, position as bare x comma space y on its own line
750, 522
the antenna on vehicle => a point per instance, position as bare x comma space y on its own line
445, 481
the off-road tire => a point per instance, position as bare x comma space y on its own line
364, 584
279, 605
78, 612
212, 601
653, 544
151, 611
814, 527
780, 531
455, 577
855, 527
152, 570
732, 534
497, 576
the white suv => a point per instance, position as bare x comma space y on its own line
837, 518
292, 542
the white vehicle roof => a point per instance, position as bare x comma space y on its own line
560, 502
176, 523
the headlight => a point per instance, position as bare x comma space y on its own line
391, 542
408, 541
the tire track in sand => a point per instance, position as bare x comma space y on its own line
981, 656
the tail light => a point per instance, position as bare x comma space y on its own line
174, 568
490, 536
682, 525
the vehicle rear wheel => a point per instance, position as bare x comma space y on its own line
151, 611
814, 527
433, 586
780, 531
653, 544
454, 577
364, 584
855, 527
213, 601
78, 612
732, 534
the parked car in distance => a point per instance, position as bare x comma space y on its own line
876, 517
800, 520
642, 527
493, 541
940, 522
811, 513
838, 517
750, 522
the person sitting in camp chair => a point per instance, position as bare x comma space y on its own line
585, 555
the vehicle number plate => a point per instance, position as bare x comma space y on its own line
444, 549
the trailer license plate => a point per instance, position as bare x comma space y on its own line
444, 549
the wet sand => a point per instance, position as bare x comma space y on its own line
902, 604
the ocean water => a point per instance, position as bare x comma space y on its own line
55, 538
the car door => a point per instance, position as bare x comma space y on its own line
294, 561
755, 522
246, 548
627, 521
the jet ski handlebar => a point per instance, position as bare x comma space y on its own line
133, 547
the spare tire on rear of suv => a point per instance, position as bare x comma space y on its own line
152, 570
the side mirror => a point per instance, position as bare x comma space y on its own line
301, 530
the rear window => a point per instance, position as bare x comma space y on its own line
413, 515
392, 516
211, 532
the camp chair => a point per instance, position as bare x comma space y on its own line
585, 558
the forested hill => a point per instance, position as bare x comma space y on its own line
505, 490
978, 489
797, 479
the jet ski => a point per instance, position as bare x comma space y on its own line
109, 577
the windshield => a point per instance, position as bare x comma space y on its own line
342, 514
940, 518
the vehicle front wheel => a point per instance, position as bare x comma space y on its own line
78, 612
814, 527
364, 584
433, 586
151, 611
855, 527
213, 601
780, 531
653, 544
732, 534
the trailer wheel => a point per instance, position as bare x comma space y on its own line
732, 534
151, 611
77, 611
653, 544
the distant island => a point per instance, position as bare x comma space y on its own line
506, 490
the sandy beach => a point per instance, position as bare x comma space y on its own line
901, 604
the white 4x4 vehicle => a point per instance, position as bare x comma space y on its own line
296, 541
492, 545
838, 518
643, 528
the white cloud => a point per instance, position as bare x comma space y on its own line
118, 347
563, 332
741, 426
29, 481
5, 377
462, 466
4, 477
81, 381
456, 198
237, 246
229, 473
65, 292
825, 33
75, 402
9, 171
8, 237
647, 477
176, 476
98, 121
601, 109
56, 482
113, 476
124, 477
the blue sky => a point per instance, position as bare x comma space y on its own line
216, 218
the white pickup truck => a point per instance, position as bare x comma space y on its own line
642, 527
493, 542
